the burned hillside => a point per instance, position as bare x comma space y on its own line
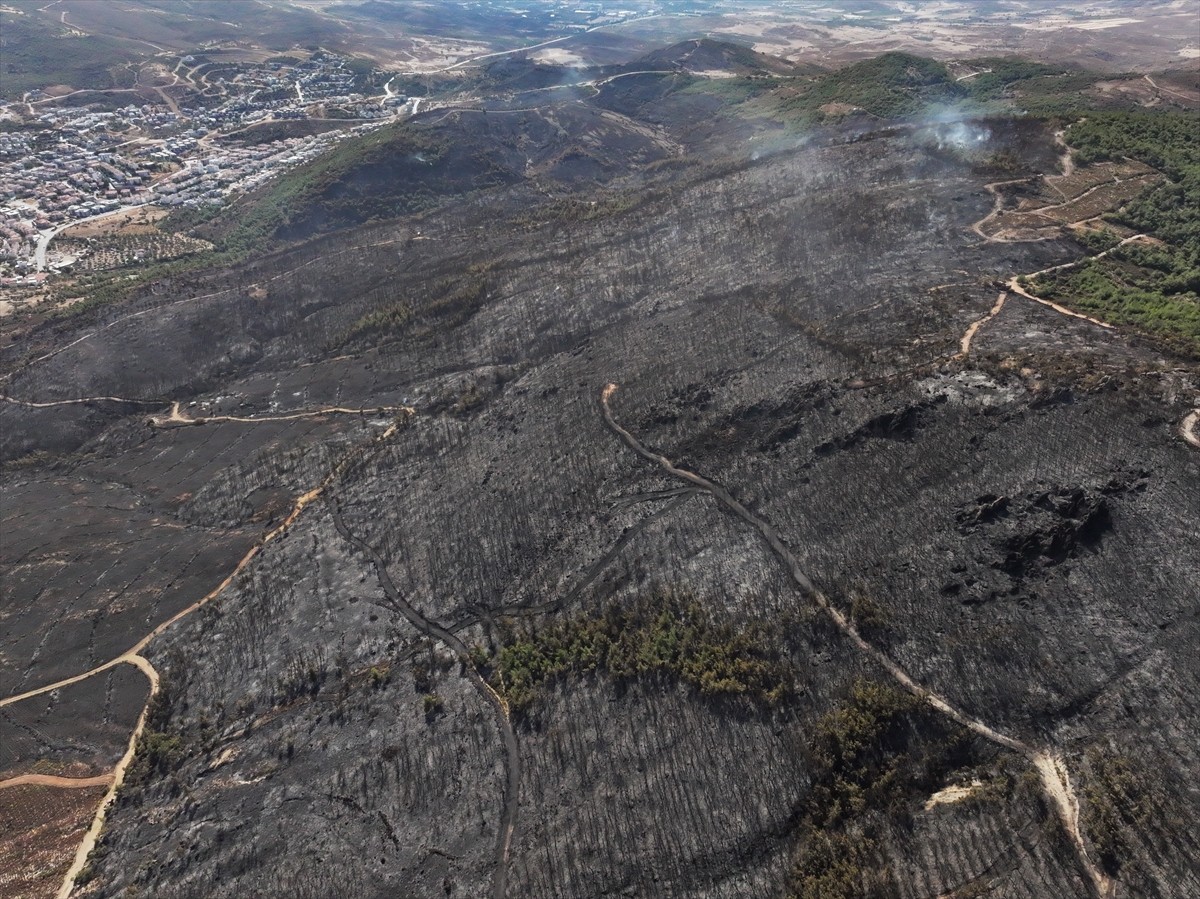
727, 528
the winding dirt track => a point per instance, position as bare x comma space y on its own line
116, 778
1014, 285
50, 780
176, 416
1050, 767
435, 631
81, 401
997, 208
133, 655
964, 345
1018, 289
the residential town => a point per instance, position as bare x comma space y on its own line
61, 164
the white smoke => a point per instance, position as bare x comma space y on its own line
953, 130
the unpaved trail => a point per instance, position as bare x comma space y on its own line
177, 417
1067, 163
997, 206
1066, 160
548, 43
1188, 427
964, 345
1018, 289
1051, 222
435, 631
1166, 90
1050, 767
81, 401
50, 780
1087, 193
133, 655
1013, 284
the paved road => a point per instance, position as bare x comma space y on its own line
44, 238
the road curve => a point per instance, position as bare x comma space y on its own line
44, 238
964, 345
1188, 428
1050, 767
133, 657
1015, 287
115, 779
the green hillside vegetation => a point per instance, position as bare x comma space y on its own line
1153, 288
38, 54
664, 635
707, 53
891, 85
382, 174
897, 84
998, 74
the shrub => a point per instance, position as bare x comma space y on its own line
666, 634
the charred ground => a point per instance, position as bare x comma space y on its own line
488, 648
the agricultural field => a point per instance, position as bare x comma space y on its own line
45, 825
98, 254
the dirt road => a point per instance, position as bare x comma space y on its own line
1014, 285
997, 207
1018, 289
133, 655
964, 345
1051, 767
115, 779
50, 780
176, 416
81, 401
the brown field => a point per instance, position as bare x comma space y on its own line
41, 827
1077, 198
132, 221
1102, 199
142, 244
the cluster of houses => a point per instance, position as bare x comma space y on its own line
64, 163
